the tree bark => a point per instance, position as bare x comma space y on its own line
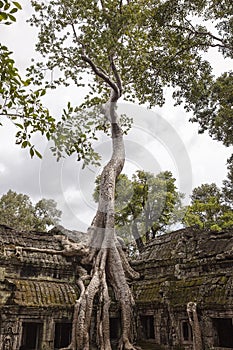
194, 322
109, 265
137, 237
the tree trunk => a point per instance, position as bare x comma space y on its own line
137, 237
194, 322
109, 266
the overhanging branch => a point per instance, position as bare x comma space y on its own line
99, 72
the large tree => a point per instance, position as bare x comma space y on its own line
17, 211
228, 184
145, 206
130, 49
208, 209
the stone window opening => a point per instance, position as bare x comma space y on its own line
62, 337
56, 275
223, 332
148, 331
31, 336
186, 331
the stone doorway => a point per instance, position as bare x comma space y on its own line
148, 331
186, 331
31, 336
224, 332
62, 336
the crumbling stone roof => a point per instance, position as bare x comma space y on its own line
187, 265
10, 236
190, 243
34, 271
29, 292
26, 248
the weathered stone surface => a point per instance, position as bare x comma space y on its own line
185, 266
38, 289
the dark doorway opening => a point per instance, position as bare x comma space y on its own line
115, 328
62, 335
31, 336
148, 331
186, 331
224, 332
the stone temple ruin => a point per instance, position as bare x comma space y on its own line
184, 298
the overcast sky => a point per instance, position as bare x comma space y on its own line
161, 139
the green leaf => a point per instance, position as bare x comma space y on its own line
13, 10
38, 154
27, 82
32, 152
24, 144
43, 92
19, 125
17, 5
3, 16
12, 18
6, 6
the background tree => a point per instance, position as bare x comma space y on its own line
159, 201
18, 212
132, 49
145, 206
208, 210
228, 184
46, 214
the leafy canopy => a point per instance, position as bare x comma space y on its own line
142, 46
208, 209
17, 211
18, 101
228, 184
7, 11
149, 44
145, 206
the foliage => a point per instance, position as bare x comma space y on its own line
146, 206
17, 211
46, 214
205, 192
208, 210
7, 11
18, 101
147, 45
228, 184
217, 115
151, 44
77, 131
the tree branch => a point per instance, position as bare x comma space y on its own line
103, 5
209, 34
98, 71
116, 74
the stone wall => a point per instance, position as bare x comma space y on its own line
187, 266
38, 291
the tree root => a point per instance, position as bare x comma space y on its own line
195, 324
107, 258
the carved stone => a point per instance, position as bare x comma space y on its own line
38, 290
